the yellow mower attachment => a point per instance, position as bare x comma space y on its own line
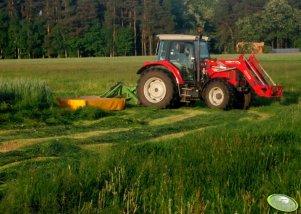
114, 99
111, 104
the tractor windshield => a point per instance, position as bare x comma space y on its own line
163, 48
204, 50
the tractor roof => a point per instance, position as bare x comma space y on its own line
179, 37
174, 37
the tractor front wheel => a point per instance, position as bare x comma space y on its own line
156, 88
219, 94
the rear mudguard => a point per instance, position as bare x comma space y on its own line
166, 65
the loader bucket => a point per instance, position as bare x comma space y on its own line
259, 79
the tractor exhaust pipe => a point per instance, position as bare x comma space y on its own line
200, 33
199, 61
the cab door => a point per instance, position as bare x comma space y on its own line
181, 54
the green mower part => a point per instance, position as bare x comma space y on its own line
119, 90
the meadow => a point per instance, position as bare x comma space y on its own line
141, 160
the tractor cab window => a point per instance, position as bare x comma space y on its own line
162, 54
204, 50
181, 55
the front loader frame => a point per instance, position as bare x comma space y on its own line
256, 76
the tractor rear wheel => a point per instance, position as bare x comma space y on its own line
219, 94
156, 88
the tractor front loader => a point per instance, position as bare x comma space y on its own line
184, 73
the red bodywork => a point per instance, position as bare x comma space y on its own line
230, 70
252, 71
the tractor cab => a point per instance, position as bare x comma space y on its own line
184, 52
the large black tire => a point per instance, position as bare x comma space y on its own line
157, 88
220, 94
244, 100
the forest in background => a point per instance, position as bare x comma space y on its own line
85, 28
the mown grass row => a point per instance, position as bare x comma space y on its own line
226, 169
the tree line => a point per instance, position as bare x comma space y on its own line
82, 28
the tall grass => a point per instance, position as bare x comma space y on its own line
32, 100
22, 93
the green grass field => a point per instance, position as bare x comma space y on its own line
142, 160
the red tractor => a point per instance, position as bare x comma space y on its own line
185, 73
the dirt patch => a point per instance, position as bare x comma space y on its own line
84, 135
38, 159
88, 122
261, 115
179, 135
97, 147
184, 114
7, 132
169, 136
9, 146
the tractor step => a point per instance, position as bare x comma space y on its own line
185, 95
189, 94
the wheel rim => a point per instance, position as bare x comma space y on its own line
154, 90
216, 96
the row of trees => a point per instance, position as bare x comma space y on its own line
64, 28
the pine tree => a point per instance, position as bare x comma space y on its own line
13, 48
124, 42
3, 29
111, 20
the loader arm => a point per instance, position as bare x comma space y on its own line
256, 75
